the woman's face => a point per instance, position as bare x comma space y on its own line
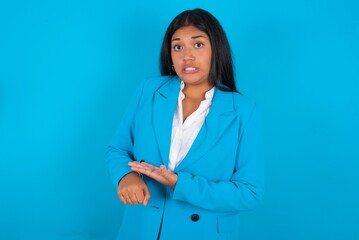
191, 54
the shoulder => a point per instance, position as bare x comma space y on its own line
241, 105
152, 84
245, 109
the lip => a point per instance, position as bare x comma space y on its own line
190, 69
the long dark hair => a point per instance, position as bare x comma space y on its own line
221, 74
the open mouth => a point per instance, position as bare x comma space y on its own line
190, 70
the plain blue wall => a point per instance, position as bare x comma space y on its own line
67, 69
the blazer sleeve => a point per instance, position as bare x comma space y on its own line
120, 150
246, 186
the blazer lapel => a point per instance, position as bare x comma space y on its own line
164, 107
218, 120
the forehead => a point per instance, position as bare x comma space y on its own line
188, 31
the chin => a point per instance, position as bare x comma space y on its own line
192, 80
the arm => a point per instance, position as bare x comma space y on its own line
131, 189
245, 188
242, 192
120, 150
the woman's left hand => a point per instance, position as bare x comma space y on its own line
160, 174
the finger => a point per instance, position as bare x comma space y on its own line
154, 174
139, 196
136, 199
163, 168
134, 163
144, 169
132, 198
164, 172
122, 199
125, 199
139, 170
150, 173
138, 165
129, 197
145, 166
147, 196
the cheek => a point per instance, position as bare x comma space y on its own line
175, 58
209, 59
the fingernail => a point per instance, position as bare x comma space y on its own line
142, 161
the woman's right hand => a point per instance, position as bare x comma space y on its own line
133, 190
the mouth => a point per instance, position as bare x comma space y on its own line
190, 70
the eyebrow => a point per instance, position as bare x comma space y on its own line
193, 37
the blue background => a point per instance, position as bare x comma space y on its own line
67, 69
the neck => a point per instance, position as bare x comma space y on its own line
196, 91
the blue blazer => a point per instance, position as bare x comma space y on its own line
221, 175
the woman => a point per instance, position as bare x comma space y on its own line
185, 159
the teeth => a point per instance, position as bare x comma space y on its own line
190, 69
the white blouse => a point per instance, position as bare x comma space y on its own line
184, 133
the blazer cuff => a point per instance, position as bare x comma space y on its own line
183, 180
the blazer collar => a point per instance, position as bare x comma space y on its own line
219, 118
164, 107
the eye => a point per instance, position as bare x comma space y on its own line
198, 45
177, 48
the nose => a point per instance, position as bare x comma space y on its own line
188, 56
